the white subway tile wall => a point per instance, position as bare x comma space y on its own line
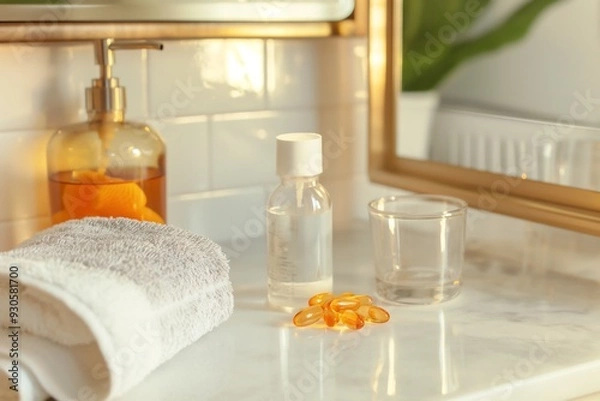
218, 104
206, 77
26, 77
241, 137
189, 137
23, 192
291, 73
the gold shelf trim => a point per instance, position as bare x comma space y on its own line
52, 31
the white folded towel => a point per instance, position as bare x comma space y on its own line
102, 302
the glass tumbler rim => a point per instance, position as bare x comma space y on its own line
456, 207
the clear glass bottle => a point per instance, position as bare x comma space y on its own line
107, 166
299, 225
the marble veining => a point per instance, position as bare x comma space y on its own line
518, 336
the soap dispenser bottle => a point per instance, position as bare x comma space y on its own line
107, 166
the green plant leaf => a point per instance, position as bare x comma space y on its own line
433, 13
429, 21
412, 12
511, 30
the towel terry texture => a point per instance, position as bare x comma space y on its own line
104, 301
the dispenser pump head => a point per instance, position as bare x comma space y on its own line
106, 95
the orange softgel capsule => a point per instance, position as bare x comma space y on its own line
308, 316
349, 309
320, 299
377, 314
363, 311
344, 303
352, 320
364, 299
330, 317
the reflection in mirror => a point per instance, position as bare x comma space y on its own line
524, 98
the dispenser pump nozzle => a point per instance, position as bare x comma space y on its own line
106, 95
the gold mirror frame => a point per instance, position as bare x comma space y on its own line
54, 30
566, 207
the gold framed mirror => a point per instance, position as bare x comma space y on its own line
518, 196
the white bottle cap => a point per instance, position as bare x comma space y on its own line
299, 155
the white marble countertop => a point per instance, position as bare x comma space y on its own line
508, 336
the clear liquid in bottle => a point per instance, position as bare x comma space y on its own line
299, 257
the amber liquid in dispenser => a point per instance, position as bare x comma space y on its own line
84, 193
107, 166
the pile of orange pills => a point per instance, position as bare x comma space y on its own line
349, 309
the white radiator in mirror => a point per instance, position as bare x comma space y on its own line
534, 149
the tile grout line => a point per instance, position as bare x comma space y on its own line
267, 54
209, 144
146, 85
